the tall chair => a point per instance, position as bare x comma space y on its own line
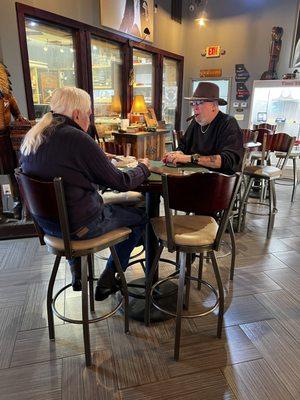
47, 200
268, 174
209, 196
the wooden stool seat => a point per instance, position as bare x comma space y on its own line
56, 245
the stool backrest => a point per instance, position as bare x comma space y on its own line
284, 143
266, 126
176, 138
45, 199
208, 194
249, 135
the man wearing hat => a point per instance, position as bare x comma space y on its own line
213, 139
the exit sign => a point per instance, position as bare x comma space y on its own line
213, 51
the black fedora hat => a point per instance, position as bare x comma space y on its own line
207, 91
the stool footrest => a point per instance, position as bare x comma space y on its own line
79, 321
205, 283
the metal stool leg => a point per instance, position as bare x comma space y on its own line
271, 209
200, 270
124, 286
50, 297
91, 281
149, 282
295, 179
233, 248
243, 206
85, 311
187, 281
179, 305
221, 293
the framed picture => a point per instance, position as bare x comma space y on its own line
295, 52
150, 118
128, 16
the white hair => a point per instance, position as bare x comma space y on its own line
64, 101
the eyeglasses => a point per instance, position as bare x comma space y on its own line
199, 102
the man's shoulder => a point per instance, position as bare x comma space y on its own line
227, 119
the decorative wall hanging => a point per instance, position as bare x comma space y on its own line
128, 16
276, 35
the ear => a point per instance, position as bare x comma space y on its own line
75, 115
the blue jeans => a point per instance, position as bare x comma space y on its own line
113, 217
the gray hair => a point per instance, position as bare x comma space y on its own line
64, 101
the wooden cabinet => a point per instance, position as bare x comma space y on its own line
144, 144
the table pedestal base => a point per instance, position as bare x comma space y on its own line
167, 298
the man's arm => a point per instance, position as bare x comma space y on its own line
214, 161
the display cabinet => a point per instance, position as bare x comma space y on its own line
143, 81
277, 102
58, 51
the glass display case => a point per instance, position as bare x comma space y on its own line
277, 102
169, 96
143, 68
51, 53
107, 92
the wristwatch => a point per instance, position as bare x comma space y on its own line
195, 158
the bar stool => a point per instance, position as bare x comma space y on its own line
294, 155
189, 234
267, 174
47, 200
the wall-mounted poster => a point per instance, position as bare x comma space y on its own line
295, 53
128, 16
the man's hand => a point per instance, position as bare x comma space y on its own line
145, 161
175, 157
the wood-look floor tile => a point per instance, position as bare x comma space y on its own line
20, 253
32, 382
137, 355
285, 309
279, 349
287, 279
290, 258
205, 351
258, 263
292, 242
255, 380
209, 385
35, 307
14, 277
34, 345
10, 324
259, 246
245, 283
96, 382
11, 296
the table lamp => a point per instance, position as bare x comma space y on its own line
138, 107
116, 106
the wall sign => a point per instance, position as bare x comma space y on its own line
241, 76
210, 73
213, 52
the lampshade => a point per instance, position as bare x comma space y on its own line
116, 104
139, 105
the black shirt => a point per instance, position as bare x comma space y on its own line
70, 153
222, 136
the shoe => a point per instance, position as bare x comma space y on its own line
107, 284
76, 284
76, 277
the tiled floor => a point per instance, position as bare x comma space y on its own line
257, 358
